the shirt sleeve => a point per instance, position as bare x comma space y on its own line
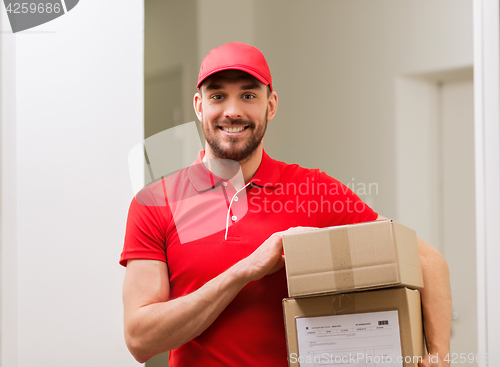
340, 205
145, 235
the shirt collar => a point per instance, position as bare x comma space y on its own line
200, 176
267, 175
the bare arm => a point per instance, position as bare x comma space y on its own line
436, 301
155, 324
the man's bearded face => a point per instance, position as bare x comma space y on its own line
234, 114
237, 148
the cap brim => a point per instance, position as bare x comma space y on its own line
247, 70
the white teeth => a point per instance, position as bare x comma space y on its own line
233, 129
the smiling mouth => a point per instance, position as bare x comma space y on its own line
233, 129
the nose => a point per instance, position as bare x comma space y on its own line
233, 109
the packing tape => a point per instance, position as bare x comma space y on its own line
341, 258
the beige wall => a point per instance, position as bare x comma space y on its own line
224, 21
171, 54
337, 66
334, 65
458, 209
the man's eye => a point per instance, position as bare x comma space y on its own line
216, 96
248, 96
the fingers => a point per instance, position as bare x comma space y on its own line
299, 229
268, 258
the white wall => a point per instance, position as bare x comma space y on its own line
79, 110
8, 198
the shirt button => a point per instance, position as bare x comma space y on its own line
235, 198
234, 218
224, 183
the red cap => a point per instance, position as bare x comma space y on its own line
236, 56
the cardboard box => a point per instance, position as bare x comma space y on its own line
352, 258
371, 328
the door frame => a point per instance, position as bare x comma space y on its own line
487, 160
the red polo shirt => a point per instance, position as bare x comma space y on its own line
200, 226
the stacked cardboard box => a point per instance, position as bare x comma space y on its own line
336, 315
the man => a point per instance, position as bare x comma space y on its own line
211, 294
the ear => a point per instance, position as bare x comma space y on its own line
272, 105
197, 106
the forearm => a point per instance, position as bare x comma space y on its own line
163, 326
436, 300
155, 324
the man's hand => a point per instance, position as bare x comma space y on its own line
268, 258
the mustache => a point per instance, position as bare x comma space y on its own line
234, 122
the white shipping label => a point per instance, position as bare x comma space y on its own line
357, 340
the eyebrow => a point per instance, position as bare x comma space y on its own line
251, 85
213, 86
216, 86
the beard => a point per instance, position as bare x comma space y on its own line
237, 149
